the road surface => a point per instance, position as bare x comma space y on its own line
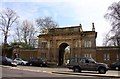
24, 72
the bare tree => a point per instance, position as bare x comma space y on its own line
28, 32
7, 19
18, 32
32, 36
114, 17
25, 29
46, 23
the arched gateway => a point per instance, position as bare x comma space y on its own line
53, 43
61, 55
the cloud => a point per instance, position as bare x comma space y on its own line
50, 1
66, 12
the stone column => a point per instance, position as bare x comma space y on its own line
55, 50
48, 53
71, 48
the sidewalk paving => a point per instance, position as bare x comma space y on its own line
111, 74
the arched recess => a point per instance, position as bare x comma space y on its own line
61, 56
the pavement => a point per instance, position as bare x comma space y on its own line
109, 73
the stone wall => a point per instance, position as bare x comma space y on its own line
98, 54
107, 54
26, 54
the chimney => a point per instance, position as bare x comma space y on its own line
81, 28
93, 27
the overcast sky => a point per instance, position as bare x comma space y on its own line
65, 13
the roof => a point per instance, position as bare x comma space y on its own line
73, 30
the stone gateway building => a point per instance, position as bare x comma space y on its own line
81, 43
57, 45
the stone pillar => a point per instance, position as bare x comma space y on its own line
55, 50
71, 48
48, 53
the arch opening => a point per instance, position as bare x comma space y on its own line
64, 53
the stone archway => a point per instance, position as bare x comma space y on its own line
61, 53
53, 43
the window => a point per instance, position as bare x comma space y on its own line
74, 60
88, 55
87, 43
76, 43
51, 43
86, 61
79, 43
117, 58
106, 57
82, 61
85, 55
44, 44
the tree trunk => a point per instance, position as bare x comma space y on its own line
5, 39
118, 41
